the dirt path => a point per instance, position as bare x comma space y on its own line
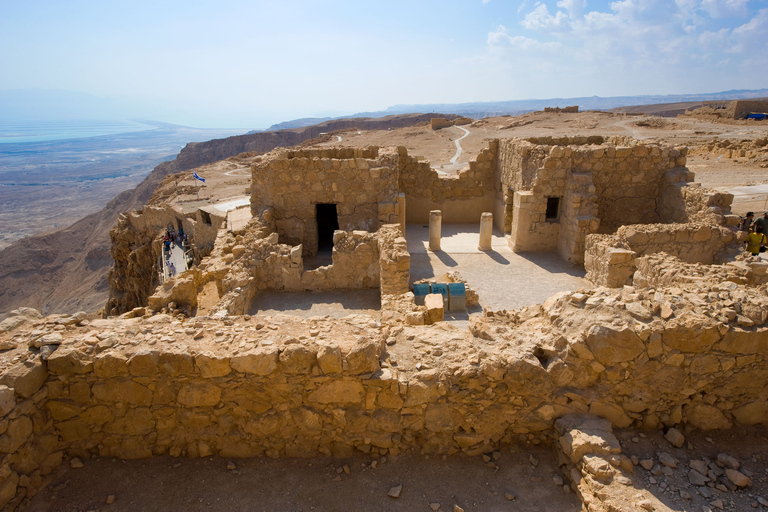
458, 144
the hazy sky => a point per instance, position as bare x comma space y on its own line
233, 63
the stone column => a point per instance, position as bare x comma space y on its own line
486, 231
401, 211
435, 227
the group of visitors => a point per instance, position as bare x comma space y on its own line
756, 229
172, 237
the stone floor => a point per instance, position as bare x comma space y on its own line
337, 304
502, 278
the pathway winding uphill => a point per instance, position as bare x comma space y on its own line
453, 166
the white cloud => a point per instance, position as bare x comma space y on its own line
540, 19
725, 8
501, 38
646, 45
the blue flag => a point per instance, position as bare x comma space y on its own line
197, 177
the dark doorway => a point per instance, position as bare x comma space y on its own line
327, 223
553, 208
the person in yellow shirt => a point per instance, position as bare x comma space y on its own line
755, 240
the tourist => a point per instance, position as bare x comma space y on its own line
762, 221
746, 222
756, 241
172, 269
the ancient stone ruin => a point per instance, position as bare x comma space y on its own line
672, 334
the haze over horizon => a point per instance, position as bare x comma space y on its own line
238, 64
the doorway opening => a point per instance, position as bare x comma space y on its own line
327, 223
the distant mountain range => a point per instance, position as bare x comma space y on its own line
480, 109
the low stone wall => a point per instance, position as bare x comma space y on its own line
289, 387
692, 243
661, 269
284, 386
611, 260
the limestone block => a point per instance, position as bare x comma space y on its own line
297, 359
18, 431
435, 310
73, 430
754, 413
211, 365
611, 412
329, 358
110, 364
122, 390
442, 418
25, 378
60, 410
415, 318
583, 434
611, 346
7, 400
66, 360
144, 363
199, 394
691, 334
175, 363
8, 488
362, 356
262, 361
338, 392
136, 422
97, 415
705, 417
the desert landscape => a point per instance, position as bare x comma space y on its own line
591, 335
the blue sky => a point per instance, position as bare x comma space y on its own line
234, 63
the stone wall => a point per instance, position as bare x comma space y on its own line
289, 387
246, 265
598, 186
394, 261
362, 183
610, 260
662, 270
461, 198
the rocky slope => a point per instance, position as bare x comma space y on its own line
66, 270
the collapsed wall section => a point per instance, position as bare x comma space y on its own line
462, 198
611, 260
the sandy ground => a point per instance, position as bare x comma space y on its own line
319, 484
525, 473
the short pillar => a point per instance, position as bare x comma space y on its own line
401, 211
435, 227
486, 231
